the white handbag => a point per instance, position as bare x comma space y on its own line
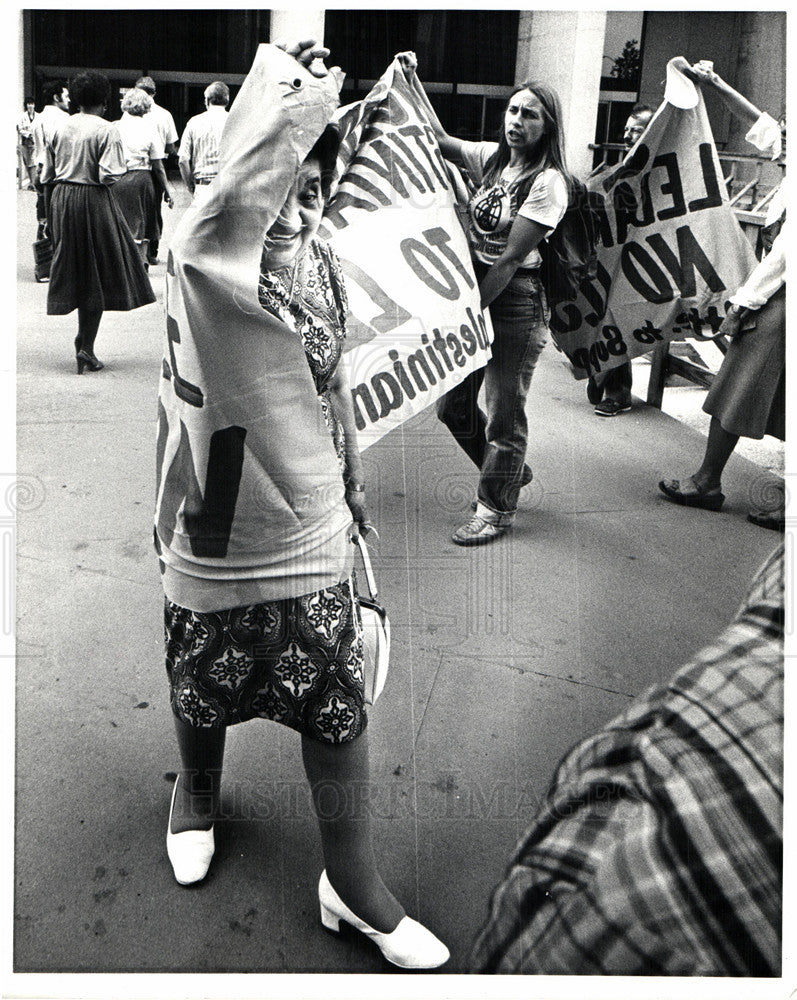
376, 632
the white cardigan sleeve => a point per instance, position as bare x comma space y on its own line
766, 277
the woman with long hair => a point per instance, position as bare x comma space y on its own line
522, 192
96, 265
140, 190
261, 616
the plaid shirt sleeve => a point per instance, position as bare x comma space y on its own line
658, 850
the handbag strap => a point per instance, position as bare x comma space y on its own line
369, 573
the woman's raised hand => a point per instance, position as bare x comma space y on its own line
307, 52
702, 72
408, 62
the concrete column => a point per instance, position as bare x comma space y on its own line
294, 25
565, 49
761, 65
21, 53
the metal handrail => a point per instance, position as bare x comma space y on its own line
729, 161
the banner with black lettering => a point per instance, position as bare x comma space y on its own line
671, 250
416, 328
250, 499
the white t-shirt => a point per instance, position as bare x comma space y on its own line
165, 123
141, 140
492, 210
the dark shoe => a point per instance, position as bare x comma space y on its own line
610, 408
87, 360
153, 260
711, 500
594, 391
775, 520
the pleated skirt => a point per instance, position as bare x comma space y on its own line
96, 264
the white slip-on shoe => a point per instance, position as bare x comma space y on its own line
409, 946
190, 852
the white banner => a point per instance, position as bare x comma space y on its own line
671, 250
416, 328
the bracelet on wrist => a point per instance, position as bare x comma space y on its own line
355, 487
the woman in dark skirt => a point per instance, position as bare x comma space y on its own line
138, 192
96, 265
748, 396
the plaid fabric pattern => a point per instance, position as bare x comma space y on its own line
659, 848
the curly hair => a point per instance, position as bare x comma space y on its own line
89, 89
136, 102
52, 89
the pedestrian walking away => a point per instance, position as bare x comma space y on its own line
261, 617
96, 265
53, 116
164, 123
199, 147
140, 190
522, 194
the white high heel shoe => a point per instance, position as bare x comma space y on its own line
410, 945
190, 852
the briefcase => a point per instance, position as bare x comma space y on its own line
42, 258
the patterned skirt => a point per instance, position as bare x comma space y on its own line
298, 661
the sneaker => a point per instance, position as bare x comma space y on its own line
478, 532
611, 407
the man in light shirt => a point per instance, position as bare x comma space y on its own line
168, 133
49, 121
199, 147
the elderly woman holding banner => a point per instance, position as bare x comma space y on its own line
747, 397
260, 489
522, 193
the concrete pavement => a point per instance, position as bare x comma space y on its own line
503, 657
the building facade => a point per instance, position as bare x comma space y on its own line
469, 59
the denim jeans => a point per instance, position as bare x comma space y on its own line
496, 440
